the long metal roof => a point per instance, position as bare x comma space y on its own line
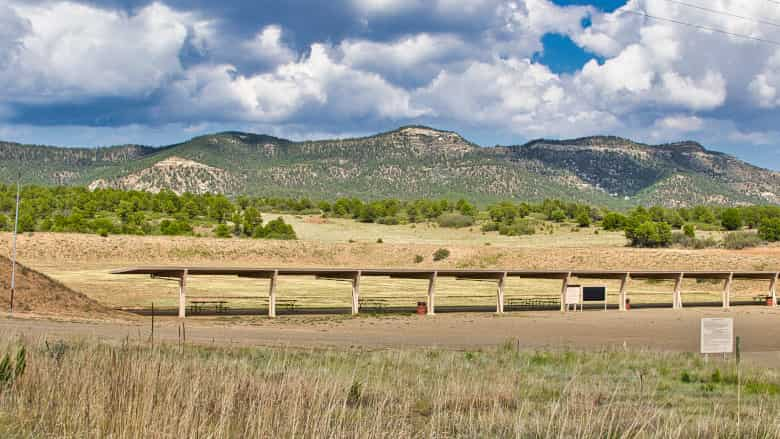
408, 273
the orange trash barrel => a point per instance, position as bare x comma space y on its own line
769, 301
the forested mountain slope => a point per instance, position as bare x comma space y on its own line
410, 162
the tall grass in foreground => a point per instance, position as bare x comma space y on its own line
93, 389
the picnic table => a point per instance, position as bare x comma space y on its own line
532, 301
373, 302
288, 303
196, 306
761, 298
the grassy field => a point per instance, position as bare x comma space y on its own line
91, 389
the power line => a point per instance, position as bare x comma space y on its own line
701, 27
726, 13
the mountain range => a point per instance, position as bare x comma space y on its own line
410, 162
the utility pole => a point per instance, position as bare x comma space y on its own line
13, 253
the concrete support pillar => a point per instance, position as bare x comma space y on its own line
356, 293
773, 290
623, 287
565, 284
432, 294
183, 295
272, 294
500, 298
677, 298
727, 291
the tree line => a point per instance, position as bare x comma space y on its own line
112, 211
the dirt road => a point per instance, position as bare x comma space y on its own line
662, 329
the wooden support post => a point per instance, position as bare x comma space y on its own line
623, 286
564, 286
183, 295
500, 298
272, 294
432, 294
356, 293
677, 299
773, 290
727, 291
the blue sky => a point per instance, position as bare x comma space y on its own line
100, 72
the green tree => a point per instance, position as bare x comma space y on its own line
689, 230
650, 234
251, 220
731, 219
769, 230
220, 208
583, 219
465, 208
557, 215
278, 229
613, 221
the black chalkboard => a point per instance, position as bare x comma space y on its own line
594, 294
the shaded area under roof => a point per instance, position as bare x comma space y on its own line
404, 273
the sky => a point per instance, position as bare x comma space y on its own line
104, 72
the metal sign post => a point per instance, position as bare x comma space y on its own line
13, 252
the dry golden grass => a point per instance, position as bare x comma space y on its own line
91, 389
82, 262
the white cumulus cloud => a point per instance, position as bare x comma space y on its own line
316, 83
72, 51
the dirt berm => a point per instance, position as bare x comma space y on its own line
37, 293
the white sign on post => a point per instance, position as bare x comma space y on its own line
573, 294
717, 335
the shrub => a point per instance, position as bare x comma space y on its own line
557, 215
380, 241
683, 240
613, 221
689, 230
441, 254
650, 234
740, 240
177, 227
769, 230
583, 219
521, 227
418, 259
389, 220
455, 220
731, 219
278, 229
490, 227
222, 231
